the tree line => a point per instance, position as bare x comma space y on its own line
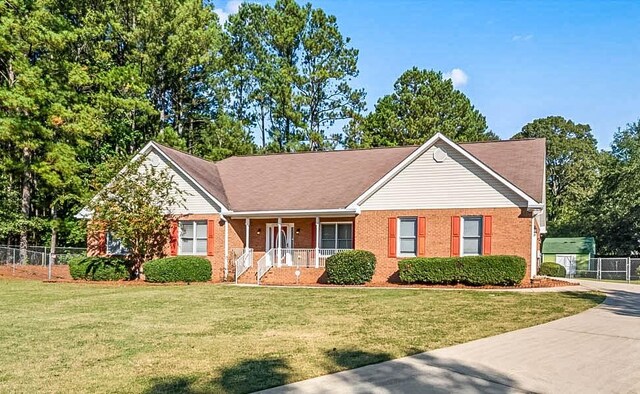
84, 84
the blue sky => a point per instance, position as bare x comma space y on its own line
522, 60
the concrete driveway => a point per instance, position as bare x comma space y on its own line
597, 351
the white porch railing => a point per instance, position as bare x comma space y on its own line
306, 258
244, 262
293, 257
265, 263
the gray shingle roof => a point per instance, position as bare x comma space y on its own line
334, 179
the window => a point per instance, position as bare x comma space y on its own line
114, 246
193, 237
471, 236
407, 237
336, 236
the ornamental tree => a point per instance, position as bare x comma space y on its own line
137, 207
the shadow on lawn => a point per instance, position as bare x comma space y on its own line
245, 377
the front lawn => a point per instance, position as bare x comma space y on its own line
206, 338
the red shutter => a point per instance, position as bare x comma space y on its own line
313, 235
102, 242
392, 237
455, 235
173, 238
486, 239
422, 236
211, 230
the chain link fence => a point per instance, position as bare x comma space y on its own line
608, 268
39, 255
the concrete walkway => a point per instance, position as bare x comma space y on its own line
597, 351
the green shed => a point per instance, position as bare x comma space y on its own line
572, 253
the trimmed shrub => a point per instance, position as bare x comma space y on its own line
351, 267
552, 269
98, 268
177, 269
468, 270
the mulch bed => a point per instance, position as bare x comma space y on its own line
34, 272
60, 274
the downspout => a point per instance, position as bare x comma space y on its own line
226, 247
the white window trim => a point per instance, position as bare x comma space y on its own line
400, 254
462, 218
335, 244
195, 238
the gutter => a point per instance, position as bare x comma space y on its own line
292, 213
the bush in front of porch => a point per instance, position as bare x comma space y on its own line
351, 267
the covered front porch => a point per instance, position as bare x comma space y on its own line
286, 242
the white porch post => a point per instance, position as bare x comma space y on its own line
247, 224
317, 242
226, 247
279, 240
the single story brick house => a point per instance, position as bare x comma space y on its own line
276, 218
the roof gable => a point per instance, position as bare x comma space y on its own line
442, 178
420, 150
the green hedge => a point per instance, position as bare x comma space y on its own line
178, 269
553, 269
351, 267
469, 270
98, 268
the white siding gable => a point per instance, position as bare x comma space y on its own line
195, 201
456, 182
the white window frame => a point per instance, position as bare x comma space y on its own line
195, 238
123, 251
335, 243
462, 236
400, 237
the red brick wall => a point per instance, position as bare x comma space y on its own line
217, 260
511, 235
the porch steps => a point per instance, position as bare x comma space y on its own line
287, 276
249, 277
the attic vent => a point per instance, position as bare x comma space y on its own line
439, 155
154, 160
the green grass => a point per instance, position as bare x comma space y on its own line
205, 338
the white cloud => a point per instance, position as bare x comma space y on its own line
522, 37
229, 9
457, 76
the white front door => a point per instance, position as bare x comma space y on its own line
286, 241
568, 261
